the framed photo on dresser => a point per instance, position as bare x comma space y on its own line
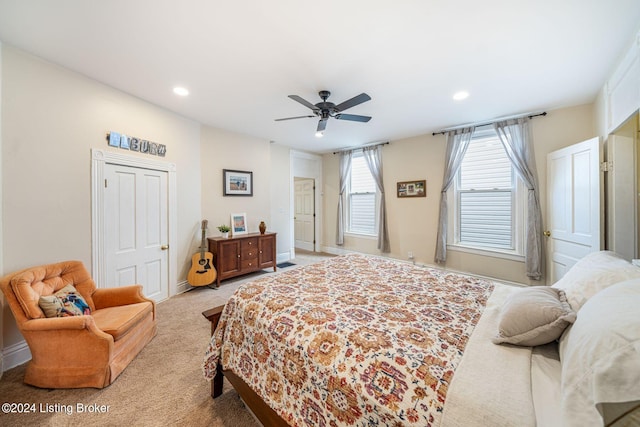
238, 224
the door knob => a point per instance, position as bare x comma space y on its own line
547, 233
164, 247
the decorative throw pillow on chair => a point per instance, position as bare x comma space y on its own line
66, 302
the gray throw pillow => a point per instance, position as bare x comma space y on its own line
534, 316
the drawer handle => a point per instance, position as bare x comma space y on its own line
250, 254
260, 251
249, 264
251, 243
238, 256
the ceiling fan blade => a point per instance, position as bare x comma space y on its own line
291, 118
303, 102
322, 124
352, 117
359, 99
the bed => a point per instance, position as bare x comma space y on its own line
366, 340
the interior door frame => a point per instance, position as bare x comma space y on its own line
98, 160
305, 165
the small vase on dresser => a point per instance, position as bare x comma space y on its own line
262, 227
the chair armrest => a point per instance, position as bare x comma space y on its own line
112, 297
67, 341
63, 323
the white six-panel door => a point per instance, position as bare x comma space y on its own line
304, 219
573, 204
136, 229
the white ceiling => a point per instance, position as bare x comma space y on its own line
240, 59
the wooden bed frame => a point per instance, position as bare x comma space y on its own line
260, 409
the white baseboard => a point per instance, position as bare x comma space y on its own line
336, 251
282, 257
15, 354
182, 287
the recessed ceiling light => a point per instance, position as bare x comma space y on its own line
180, 91
460, 95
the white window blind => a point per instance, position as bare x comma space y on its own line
486, 196
362, 198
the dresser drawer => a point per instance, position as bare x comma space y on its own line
249, 263
249, 253
249, 243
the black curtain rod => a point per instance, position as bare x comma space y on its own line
359, 148
442, 132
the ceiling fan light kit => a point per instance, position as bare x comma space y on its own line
325, 110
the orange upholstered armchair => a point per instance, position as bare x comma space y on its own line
86, 348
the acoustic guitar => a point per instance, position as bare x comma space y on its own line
202, 271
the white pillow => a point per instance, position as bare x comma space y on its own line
600, 356
591, 274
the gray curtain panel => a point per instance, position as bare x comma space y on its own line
518, 144
345, 173
457, 144
373, 157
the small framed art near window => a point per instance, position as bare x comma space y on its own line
237, 183
412, 189
238, 224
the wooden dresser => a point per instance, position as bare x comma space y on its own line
243, 254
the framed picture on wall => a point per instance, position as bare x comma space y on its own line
238, 224
237, 183
412, 189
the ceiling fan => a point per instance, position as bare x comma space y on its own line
326, 109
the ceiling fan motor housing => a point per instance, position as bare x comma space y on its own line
325, 109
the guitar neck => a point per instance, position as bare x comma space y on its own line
203, 242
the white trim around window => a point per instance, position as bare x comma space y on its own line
362, 178
518, 216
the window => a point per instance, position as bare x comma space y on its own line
488, 206
362, 193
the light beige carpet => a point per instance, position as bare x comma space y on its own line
163, 386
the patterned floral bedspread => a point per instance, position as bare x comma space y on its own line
354, 340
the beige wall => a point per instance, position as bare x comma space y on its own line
270, 166
413, 222
226, 150
51, 119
